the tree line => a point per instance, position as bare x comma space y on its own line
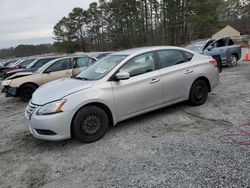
26, 50
117, 24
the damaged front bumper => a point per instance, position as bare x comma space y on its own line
10, 91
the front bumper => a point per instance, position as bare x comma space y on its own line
10, 91
42, 126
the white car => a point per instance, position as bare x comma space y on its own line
117, 87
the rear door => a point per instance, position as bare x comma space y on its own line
142, 91
177, 72
59, 69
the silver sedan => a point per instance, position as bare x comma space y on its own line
120, 86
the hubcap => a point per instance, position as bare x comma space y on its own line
233, 60
91, 124
199, 92
27, 93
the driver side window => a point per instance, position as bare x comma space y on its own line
139, 65
60, 65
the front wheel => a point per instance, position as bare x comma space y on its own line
198, 93
26, 92
232, 61
90, 124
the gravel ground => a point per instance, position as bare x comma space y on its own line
178, 146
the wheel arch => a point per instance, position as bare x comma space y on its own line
26, 83
202, 78
100, 105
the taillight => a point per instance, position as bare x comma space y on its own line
213, 62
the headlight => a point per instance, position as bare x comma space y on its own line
6, 82
52, 108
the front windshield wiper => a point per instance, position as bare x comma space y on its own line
80, 78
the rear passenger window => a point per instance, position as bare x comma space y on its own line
170, 57
188, 55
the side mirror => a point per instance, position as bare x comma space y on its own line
209, 48
47, 71
122, 76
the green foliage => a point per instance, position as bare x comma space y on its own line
26, 50
115, 24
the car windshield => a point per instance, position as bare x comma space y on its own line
13, 64
31, 64
26, 63
101, 68
196, 46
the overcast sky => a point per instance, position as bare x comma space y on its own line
32, 21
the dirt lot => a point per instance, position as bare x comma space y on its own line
178, 146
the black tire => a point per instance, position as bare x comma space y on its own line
198, 93
90, 124
233, 61
26, 91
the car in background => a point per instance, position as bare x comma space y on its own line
32, 67
224, 47
117, 87
7, 65
98, 55
18, 65
55, 69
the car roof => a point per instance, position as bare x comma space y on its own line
133, 51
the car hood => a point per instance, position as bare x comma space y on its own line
19, 74
58, 89
18, 70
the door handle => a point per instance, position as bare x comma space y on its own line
154, 81
188, 71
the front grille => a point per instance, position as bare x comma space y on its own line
30, 109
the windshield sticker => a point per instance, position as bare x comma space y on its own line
100, 70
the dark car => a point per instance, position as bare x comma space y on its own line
20, 64
6, 65
33, 66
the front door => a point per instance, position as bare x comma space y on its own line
142, 91
59, 69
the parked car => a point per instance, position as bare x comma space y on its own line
18, 65
99, 55
225, 47
32, 67
23, 87
6, 65
117, 87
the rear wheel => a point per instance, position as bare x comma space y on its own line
90, 124
232, 60
198, 93
26, 92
